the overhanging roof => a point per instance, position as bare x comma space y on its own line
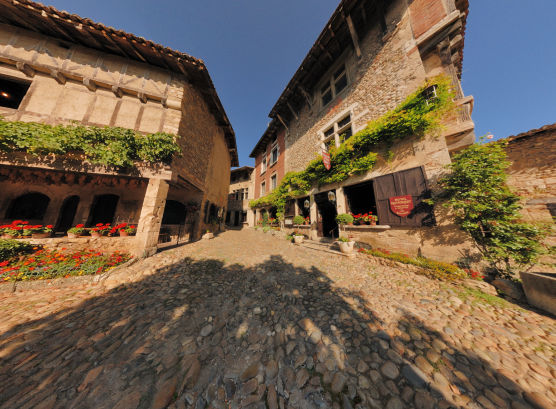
532, 132
49, 21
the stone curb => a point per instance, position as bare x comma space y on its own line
11, 287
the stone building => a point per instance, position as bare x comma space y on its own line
239, 213
56, 68
533, 172
369, 57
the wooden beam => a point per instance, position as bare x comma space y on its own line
306, 95
58, 76
353, 34
381, 16
324, 50
292, 110
90, 84
282, 121
25, 68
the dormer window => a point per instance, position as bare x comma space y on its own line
336, 84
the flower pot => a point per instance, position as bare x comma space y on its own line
40, 235
373, 223
346, 247
298, 239
95, 234
9, 236
123, 233
73, 235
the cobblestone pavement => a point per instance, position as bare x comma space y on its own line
250, 320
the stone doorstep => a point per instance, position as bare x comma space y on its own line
10, 287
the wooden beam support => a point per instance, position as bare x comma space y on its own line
324, 50
381, 15
25, 68
306, 95
292, 110
282, 121
90, 84
117, 91
354, 36
58, 76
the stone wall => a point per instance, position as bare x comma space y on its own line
533, 172
101, 244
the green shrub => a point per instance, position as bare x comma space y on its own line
485, 207
13, 248
344, 218
266, 229
265, 219
344, 239
298, 220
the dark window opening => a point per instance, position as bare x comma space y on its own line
103, 209
326, 217
361, 198
243, 217
305, 211
12, 92
31, 206
431, 94
326, 93
174, 212
67, 213
213, 214
552, 209
274, 155
340, 80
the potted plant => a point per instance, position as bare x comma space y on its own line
307, 221
42, 232
298, 237
10, 231
125, 229
346, 244
100, 230
76, 231
208, 235
372, 219
298, 220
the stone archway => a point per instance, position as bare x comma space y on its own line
30, 206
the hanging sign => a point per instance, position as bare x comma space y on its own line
326, 160
401, 205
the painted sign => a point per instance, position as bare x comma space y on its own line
401, 205
326, 160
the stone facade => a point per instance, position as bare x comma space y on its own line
386, 64
102, 84
242, 186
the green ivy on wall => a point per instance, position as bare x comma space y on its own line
418, 114
110, 146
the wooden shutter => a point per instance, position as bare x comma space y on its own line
289, 208
407, 182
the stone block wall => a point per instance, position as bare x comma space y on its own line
101, 244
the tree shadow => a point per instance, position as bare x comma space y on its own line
202, 334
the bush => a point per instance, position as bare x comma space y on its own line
344, 218
13, 248
298, 220
486, 208
265, 219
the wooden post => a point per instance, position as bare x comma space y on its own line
353, 34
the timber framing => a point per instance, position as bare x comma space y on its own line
72, 28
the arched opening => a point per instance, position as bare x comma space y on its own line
30, 206
174, 212
67, 213
103, 209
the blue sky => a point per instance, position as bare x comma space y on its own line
253, 47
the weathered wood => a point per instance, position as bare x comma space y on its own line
292, 111
282, 121
353, 34
58, 76
90, 84
25, 68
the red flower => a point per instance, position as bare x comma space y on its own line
100, 225
49, 226
80, 226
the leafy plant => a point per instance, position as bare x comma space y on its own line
485, 207
266, 229
344, 218
265, 219
344, 239
78, 229
110, 146
297, 220
13, 248
416, 115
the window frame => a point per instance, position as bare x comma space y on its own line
273, 182
18, 82
263, 164
277, 149
326, 137
263, 187
330, 84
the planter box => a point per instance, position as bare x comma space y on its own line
40, 235
208, 236
540, 290
298, 239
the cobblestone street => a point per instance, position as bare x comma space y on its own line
250, 320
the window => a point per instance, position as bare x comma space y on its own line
12, 92
337, 133
336, 84
273, 180
263, 164
274, 155
263, 188
174, 212
431, 94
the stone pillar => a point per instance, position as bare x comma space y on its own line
340, 201
313, 234
151, 217
297, 210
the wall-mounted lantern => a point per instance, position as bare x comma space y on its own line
307, 204
331, 196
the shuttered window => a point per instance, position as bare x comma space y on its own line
410, 182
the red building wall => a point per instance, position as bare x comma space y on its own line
277, 168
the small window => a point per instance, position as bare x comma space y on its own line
274, 155
340, 80
337, 133
12, 92
263, 188
326, 94
273, 180
431, 94
263, 165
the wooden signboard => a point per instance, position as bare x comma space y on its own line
401, 205
326, 160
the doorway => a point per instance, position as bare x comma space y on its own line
67, 213
236, 220
103, 209
326, 216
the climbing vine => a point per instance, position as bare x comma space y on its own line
418, 114
109, 146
